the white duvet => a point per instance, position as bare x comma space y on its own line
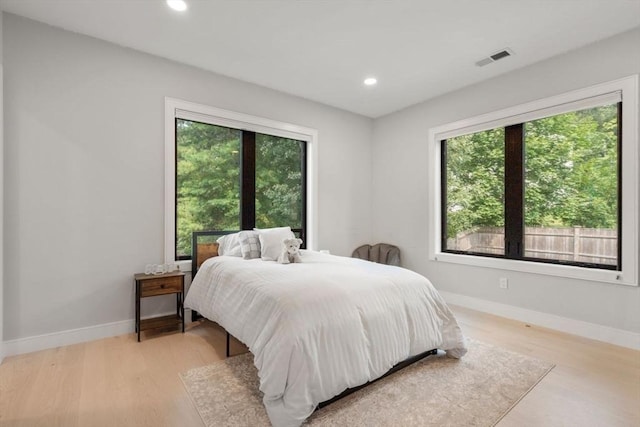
318, 327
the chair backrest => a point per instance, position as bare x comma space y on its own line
382, 253
361, 252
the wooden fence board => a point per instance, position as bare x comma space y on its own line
591, 245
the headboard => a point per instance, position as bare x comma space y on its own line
203, 247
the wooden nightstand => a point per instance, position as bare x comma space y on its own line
150, 285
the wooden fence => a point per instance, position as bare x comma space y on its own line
592, 245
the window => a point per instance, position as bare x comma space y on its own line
473, 193
208, 181
543, 187
229, 179
227, 171
545, 190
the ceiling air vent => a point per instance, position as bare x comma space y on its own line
494, 57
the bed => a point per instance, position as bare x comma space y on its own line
324, 325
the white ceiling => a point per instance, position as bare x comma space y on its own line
323, 49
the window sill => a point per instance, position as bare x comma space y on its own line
565, 271
185, 266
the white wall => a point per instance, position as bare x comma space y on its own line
84, 171
84, 185
400, 183
1, 192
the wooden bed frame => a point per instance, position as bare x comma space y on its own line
203, 251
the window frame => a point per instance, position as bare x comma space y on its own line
627, 89
180, 109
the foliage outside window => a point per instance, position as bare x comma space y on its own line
229, 179
475, 189
544, 190
207, 180
280, 182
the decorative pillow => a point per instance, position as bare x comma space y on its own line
249, 244
271, 241
229, 245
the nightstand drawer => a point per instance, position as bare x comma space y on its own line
161, 286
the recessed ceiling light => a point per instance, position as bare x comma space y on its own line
370, 81
178, 5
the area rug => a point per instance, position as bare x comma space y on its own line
477, 390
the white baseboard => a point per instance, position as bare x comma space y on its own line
74, 336
572, 326
576, 327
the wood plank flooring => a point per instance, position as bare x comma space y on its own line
119, 382
593, 384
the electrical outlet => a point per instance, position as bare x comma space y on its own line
503, 283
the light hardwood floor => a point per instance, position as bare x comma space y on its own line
120, 382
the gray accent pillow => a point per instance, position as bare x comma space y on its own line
249, 244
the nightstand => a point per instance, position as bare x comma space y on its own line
151, 285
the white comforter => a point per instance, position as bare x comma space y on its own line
318, 327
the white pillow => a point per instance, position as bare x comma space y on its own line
271, 241
229, 245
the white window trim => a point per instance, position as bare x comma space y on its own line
628, 88
217, 116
